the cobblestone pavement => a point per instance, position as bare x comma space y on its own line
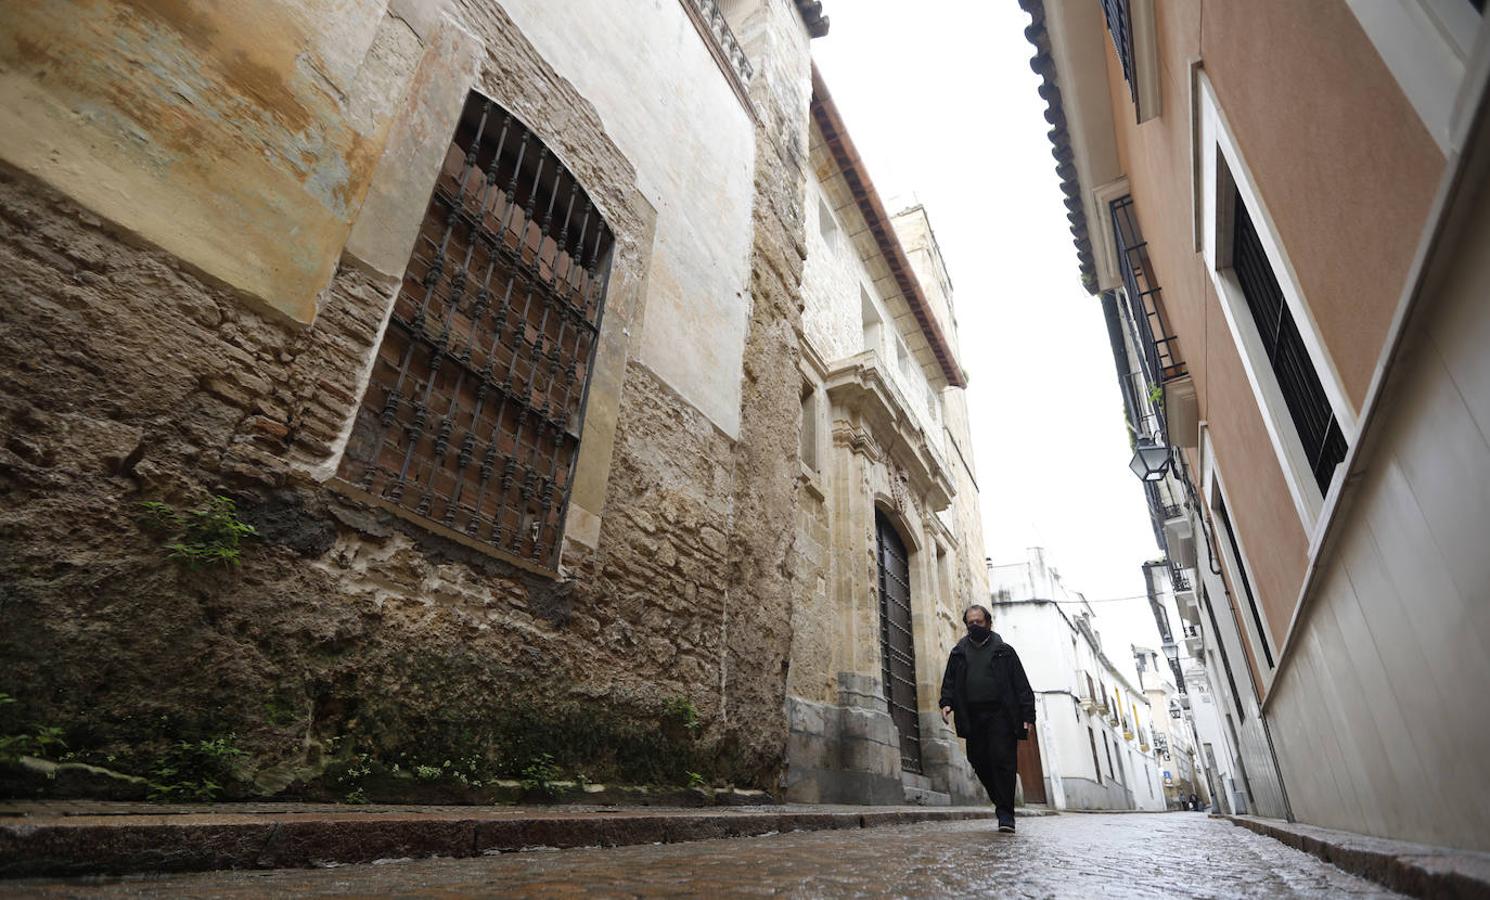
1074, 855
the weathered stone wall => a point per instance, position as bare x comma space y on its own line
765, 575
347, 641
211, 130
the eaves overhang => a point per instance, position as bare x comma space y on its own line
1070, 57
867, 200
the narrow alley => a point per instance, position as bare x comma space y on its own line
558, 448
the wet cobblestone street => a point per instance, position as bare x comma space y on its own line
1073, 855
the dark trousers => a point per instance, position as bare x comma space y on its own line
992, 749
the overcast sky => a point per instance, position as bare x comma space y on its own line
942, 105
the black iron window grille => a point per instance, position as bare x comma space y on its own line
1179, 676
1160, 350
471, 421
1246, 583
1220, 645
1308, 405
1120, 26
897, 643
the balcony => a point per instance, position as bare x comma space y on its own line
1159, 348
1181, 412
1179, 536
1088, 705
1194, 643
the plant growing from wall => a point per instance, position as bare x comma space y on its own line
539, 776
16, 741
1156, 396
210, 535
196, 770
682, 712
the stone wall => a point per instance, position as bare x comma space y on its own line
348, 642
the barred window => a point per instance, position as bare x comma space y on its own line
1303, 392
1120, 27
471, 420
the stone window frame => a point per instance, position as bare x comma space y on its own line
1430, 47
383, 235
1261, 672
462, 483
1222, 173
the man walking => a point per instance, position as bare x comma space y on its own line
986, 688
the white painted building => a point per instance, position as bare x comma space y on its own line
1173, 735
1093, 745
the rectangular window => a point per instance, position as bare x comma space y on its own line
808, 446
827, 226
1120, 27
1303, 392
1219, 644
870, 320
1096, 761
1246, 583
1159, 352
471, 421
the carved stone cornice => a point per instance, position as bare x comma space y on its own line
856, 439
881, 425
726, 50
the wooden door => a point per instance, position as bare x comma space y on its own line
1031, 772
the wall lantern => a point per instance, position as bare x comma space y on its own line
1150, 460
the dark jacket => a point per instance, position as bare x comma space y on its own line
1018, 702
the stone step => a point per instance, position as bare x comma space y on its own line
42, 840
920, 796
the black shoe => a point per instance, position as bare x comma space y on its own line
1006, 827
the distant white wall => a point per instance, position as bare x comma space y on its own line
1056, 658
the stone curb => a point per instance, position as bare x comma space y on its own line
1418, 870
125, 844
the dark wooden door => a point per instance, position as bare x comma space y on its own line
897, 648
1032, 772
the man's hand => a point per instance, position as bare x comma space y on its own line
947, 714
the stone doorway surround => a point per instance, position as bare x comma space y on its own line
844, 745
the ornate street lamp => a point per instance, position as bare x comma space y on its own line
1150, 460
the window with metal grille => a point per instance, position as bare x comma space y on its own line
1120, 26
1246, 583
1096, 763
471, 420
1220, 645
1159, 351
897, 641
1303, 392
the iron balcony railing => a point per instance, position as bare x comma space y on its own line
1177, 578
1120, 26
1160, 352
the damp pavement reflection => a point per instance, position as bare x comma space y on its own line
1072, 855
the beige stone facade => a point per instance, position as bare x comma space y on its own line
200, 262
885, 445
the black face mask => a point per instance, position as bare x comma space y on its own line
978, 633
